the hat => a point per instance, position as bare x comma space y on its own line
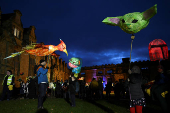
135, 69
10, 71
42, 61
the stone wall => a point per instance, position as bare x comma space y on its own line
120, 71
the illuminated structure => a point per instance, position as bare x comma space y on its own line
158, 50
120, 71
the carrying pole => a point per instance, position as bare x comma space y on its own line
132, 38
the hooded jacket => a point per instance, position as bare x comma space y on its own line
135, 84
94, 84
42, 74
72, 88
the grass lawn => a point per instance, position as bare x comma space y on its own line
59, 105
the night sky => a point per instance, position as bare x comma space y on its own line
79, 24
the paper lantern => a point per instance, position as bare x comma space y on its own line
76, 64
81, 78
132, 22
158, 50
51, 85
41, 50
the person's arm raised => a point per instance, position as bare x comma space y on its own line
43, 71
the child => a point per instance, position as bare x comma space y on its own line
134, 82
22, 88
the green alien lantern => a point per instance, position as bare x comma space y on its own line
76, 64
132, 22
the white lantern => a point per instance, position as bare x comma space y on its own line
51, 85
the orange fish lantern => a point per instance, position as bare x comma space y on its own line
41, 50
158, 50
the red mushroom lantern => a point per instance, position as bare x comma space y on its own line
158, 50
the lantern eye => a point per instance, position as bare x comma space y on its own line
134, 21
123, 21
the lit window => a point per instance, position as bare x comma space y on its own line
110, 71
83, 73
16, 32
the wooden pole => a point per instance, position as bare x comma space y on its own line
132, 38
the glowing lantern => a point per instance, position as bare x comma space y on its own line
158, 50
132, 22
81, 78
51, 85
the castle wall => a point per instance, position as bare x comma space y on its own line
120, 71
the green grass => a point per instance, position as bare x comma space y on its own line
59, 105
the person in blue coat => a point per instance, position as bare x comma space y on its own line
42, 82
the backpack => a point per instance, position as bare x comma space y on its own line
77, 86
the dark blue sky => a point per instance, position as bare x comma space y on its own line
79, 24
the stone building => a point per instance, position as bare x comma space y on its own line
120, 71
12, 38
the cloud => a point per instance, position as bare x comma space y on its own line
79, 25
106, 57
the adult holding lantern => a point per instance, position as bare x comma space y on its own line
158, 51
42, 82
134, 83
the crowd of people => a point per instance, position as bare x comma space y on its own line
134, 88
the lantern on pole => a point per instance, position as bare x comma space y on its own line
132, 23
158, 50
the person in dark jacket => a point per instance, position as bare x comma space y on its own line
100, 88
94, 87
123, 89
22, 88
36, 85
42, 82
72, 89
160, 89
7, 82
134, 82
108, 88
65, 89
117, 90
58, 89
82, 89
32, 89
